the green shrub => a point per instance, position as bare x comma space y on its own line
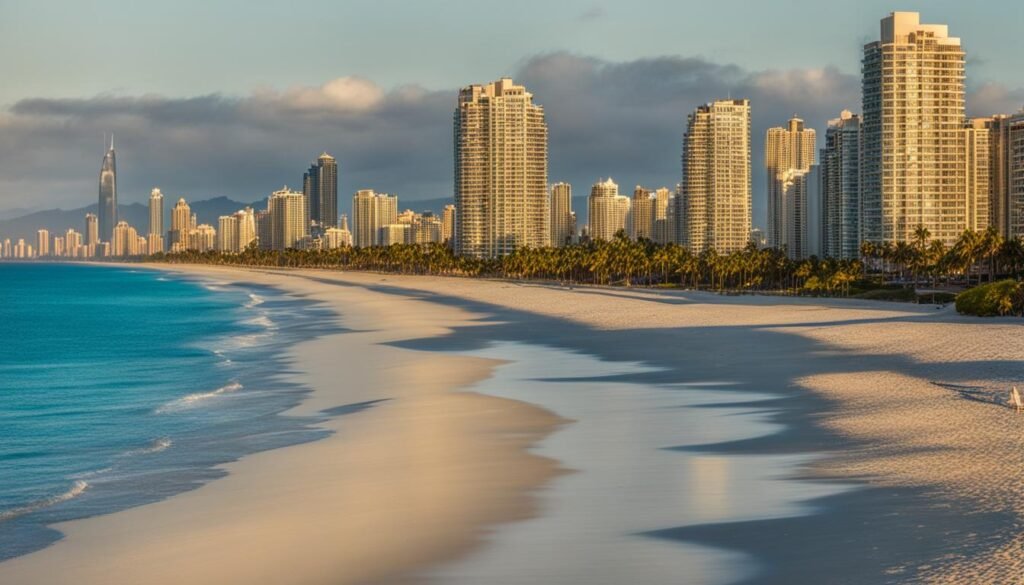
1005, 297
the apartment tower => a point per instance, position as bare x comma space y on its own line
562, 222
913, 165
501, 170
840, 186
608, 211
370, 212
713, 205
788, 157
320, 186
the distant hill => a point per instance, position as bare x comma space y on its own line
136, 214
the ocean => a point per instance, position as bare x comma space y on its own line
121, 386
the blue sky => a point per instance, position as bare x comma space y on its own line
69, 66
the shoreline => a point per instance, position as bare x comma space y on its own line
284, 516
898, 398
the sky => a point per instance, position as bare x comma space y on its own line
237, 98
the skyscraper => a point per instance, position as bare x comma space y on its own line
370, 212
227, 234
181, 225
713, 206
641, 214
43, 243
125, 240
92, 230
562, 222
320, 186
662, 229
156, 213
288, 226
448, 225
608, 211
108, 194
1015, 175
501, 170
840, 187
913, 167
788, 156
977, 150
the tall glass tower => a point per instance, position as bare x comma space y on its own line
108, 194
320, 186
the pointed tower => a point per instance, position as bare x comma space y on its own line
108, 194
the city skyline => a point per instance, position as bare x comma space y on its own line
325, 115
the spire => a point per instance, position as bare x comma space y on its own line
111, 141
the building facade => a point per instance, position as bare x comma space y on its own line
608, 211
788, 156
913, 164
370, 212
156, 214
563, 222
840, 187
501, 170
642, 214
713, 206
288, 225
320, 186
108, 194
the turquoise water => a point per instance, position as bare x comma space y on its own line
123, 386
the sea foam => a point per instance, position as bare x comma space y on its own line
192, 400
75, 491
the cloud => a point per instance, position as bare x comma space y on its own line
595, 12
623, 119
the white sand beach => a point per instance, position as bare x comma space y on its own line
913, 393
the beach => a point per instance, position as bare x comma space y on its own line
886, 420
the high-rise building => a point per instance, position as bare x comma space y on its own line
815, 212
913, 164
8, 250
395, 233
428, 229
788, 156
125, 240
1015, 175
563, 226
92, 230
662, 229
370, 212
203, 238
227, 234
108, 194
263, 229
246, 219
43, 243
156, 215
501, 170
977, 152
288, 226
181, 226
320, 186
448, 225
73, 244
713, 207
641, 214
608, 211
998, 173
840, 187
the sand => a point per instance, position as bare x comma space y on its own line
906, 398
412, 479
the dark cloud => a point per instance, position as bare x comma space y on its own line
623, 119
595, 12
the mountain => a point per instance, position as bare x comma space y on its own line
59, 221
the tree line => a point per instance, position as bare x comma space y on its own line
626, 262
